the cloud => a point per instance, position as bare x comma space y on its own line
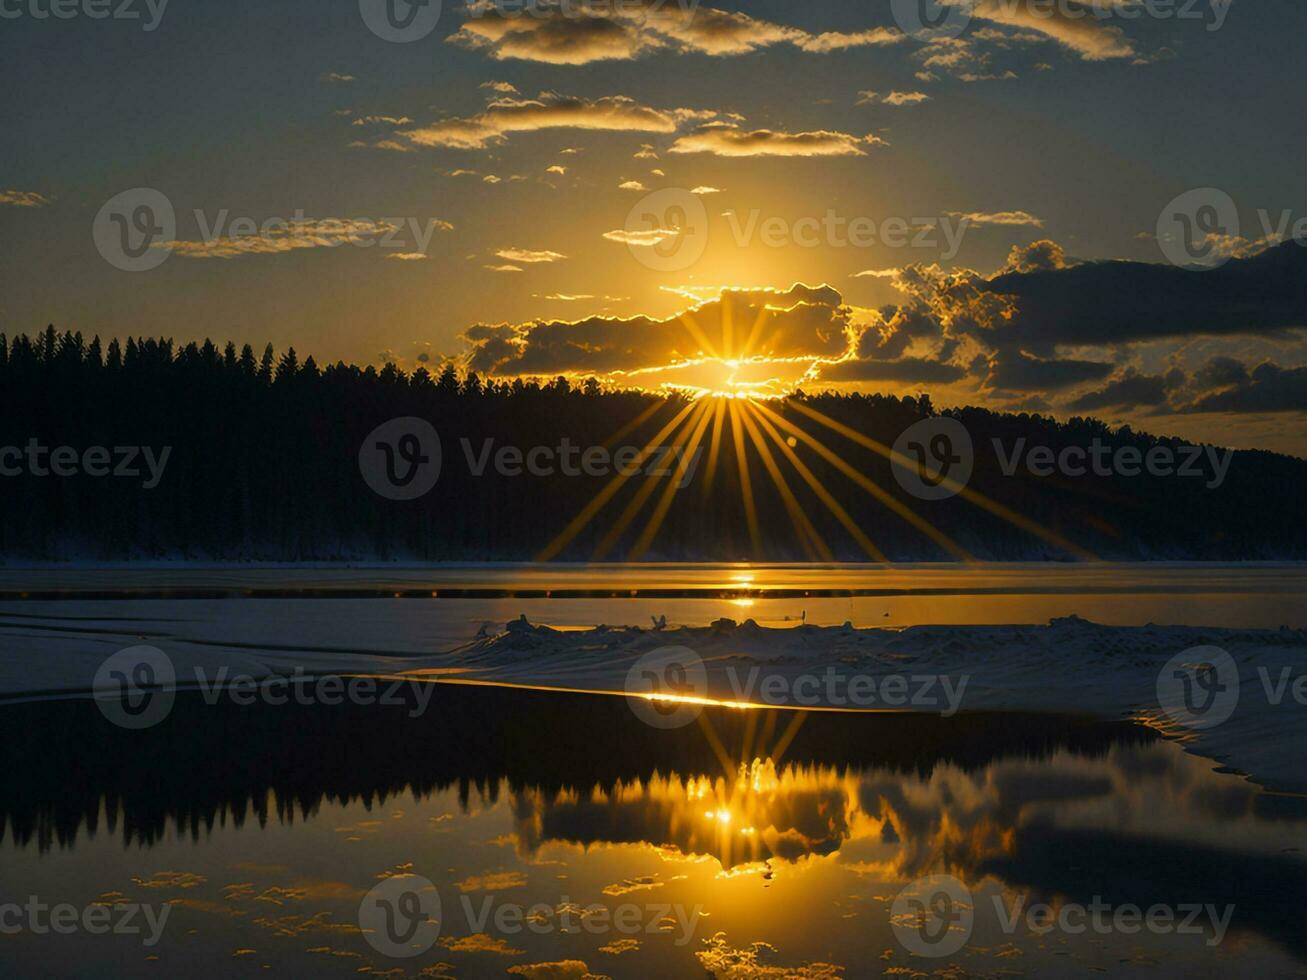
704, 189
1020, 371
803, 321
642, 239
837, 41
503, 88
557, 970
903, 370
385, 144
561, 34
729, 140
382, 121
629, 885
493, 882
875, 274
335, 76
558, 169
1120, 302
631, 185
893, 99
1007, 219
614, 113
1130, 390
552, 38
504, 268
1036, 256
407, 256
1266, 388
23, 199
277, 237
480, 942
529, 256
1070, 25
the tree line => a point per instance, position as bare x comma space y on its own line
263, 465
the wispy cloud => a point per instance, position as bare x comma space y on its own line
528, 256
893, 98
729, 140
642, 239
282, 237
615, 113
1087, 36
382, 121
23, 199
621, 32
1013, 219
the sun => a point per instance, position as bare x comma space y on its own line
749, 379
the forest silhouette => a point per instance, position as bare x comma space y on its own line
265, 448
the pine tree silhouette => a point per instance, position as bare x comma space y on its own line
264, 464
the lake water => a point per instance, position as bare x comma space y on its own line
1266, 595
500, 830
494, 832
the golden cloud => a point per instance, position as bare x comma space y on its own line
614, 113
729, 140
800, 322
580, 34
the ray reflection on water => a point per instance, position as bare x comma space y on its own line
264, 859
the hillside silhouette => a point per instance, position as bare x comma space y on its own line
264, 465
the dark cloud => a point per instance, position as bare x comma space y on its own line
803, 321
901, 326
1267, 388
1018, 371
1221, 372
1122, 302
906, 370
1130, 390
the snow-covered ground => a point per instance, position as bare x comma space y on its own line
54, 649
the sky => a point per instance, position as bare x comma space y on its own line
1069, 207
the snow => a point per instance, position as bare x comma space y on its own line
1069, 664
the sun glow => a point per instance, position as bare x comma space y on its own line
755, 378
746, 401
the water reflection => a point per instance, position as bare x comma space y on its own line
833, 811
64, 769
